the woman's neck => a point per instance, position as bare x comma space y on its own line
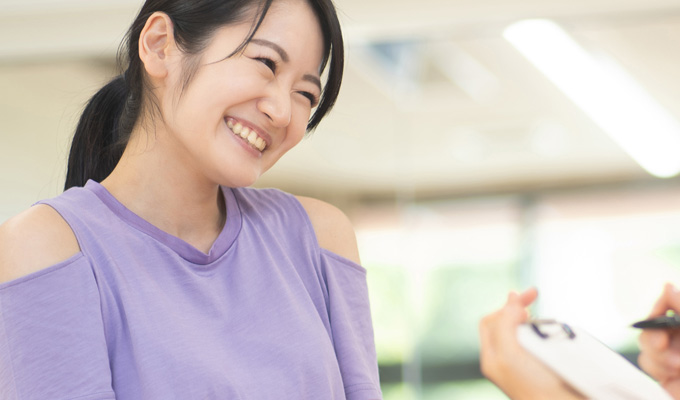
168, 195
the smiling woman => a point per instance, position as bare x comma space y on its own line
158, 274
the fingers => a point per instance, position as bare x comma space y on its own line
516, 305
661, 365
528, 296
503, 360
660, 349
664, 367
497, 330
669, 300
654, 340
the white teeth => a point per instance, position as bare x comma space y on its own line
248, 135
252, 138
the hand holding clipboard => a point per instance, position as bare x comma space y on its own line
587, 364
550, 360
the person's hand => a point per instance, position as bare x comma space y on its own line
505, 363
660, 348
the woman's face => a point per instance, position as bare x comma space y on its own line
240, 114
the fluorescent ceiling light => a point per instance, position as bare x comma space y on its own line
605, 92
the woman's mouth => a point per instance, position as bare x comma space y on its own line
247, 134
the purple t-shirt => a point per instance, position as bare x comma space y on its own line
141, 314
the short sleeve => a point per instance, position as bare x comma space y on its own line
52, 343
351, 326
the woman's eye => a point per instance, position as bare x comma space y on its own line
271, 64
313, 100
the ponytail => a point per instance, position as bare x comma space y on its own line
98, 142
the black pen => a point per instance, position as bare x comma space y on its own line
662, 322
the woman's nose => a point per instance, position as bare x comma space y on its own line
276, 105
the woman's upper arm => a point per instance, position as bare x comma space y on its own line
34, 240
52, 340
333, 229
347, 302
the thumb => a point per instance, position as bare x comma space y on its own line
516, 306
528, 296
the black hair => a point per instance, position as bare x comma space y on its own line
109, 117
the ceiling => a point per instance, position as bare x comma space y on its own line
435, 102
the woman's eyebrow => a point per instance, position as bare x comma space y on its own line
274, 46
313, 79
284, 56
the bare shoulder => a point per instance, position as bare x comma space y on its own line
34, 240
333, 229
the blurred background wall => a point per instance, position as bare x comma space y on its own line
467, 172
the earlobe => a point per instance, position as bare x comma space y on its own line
155, 43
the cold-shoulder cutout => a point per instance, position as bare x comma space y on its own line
332, 227
34, 240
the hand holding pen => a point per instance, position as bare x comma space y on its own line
660, 341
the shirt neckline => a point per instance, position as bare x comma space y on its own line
224, 240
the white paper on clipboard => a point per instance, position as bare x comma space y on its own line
587, 364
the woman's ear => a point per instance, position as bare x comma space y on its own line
156, 43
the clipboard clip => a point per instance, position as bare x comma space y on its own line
547, 328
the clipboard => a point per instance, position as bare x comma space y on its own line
587, 364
